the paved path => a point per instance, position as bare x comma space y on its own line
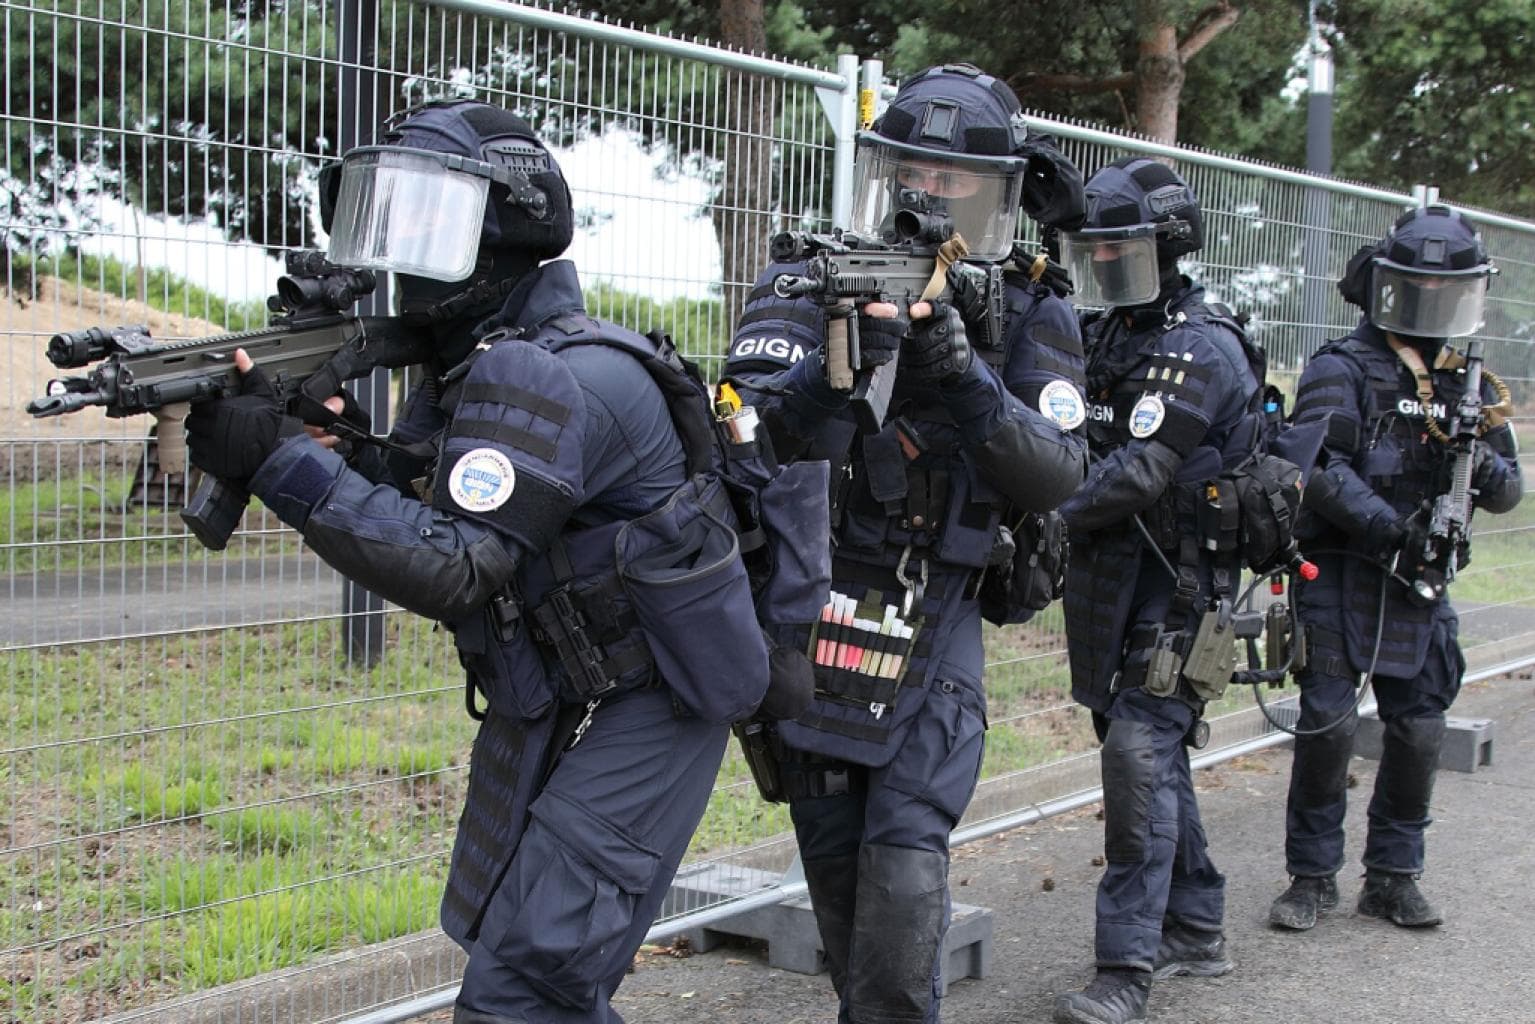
1039, 882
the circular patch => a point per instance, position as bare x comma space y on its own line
482, 480
1147, 416
1062, 405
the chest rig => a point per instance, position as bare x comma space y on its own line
1395, 451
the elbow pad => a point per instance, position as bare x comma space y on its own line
1035, 468
1113, 496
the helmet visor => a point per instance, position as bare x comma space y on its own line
902, 194
1432, 305
1112, 268
404, 211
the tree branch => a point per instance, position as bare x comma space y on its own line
1210, 22
1032, 82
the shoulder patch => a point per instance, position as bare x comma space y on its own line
482, 480
1147, 416
1060, 403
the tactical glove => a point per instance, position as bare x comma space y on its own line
231, 437
879, 339
937, 351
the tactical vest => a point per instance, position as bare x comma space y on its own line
1197, 536
1392, 453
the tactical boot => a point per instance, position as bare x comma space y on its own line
1298, 906
1396, 898
1191, 952
1116, 996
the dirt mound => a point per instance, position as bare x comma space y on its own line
26, 323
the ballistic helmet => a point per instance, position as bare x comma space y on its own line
1141, 216
951, 154
1427, 278
449, 180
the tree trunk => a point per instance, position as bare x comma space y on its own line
1158, 75
742, 212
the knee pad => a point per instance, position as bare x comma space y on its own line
1129, 765
1321, 761
1409, 758
900, 920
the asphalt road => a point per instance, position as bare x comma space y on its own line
1477, 967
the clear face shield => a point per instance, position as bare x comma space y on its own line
905, 194
1113, 266
1422, 304
408, 212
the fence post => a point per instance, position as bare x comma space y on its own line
843, 111
359, 115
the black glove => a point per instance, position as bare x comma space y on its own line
231, 437
351, 422
937, 351
1483, 465
968, 295
879, 339
1411, 539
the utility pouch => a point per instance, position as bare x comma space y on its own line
757, 748
1162, 671
1283, 642
681, 568
1212, 656
1033, 577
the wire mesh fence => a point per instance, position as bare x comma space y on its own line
215, 802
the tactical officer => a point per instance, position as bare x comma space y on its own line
535, 490
1170, 406
1384, 393
978, 432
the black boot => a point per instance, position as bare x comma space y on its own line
1298, 906
1396, 898
1116, 996
1190, 952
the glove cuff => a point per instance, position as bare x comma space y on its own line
295, 478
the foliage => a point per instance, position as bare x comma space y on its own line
131, 96
1441, 92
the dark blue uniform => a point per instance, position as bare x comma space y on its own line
545, 453
1170, 394
877, 780
1380, 465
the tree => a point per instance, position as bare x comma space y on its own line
131, 101
1119, 62
1438, 92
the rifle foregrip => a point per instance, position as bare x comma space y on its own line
214, 512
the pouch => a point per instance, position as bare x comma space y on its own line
681, 567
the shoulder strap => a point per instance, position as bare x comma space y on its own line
678, 379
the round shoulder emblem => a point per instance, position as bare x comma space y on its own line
1060, 403
1147, 416
482, 480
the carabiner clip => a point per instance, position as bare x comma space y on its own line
914, 588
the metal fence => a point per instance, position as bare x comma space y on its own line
230, 782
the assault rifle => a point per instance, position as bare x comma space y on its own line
1449, 521
845, 272
313, 346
